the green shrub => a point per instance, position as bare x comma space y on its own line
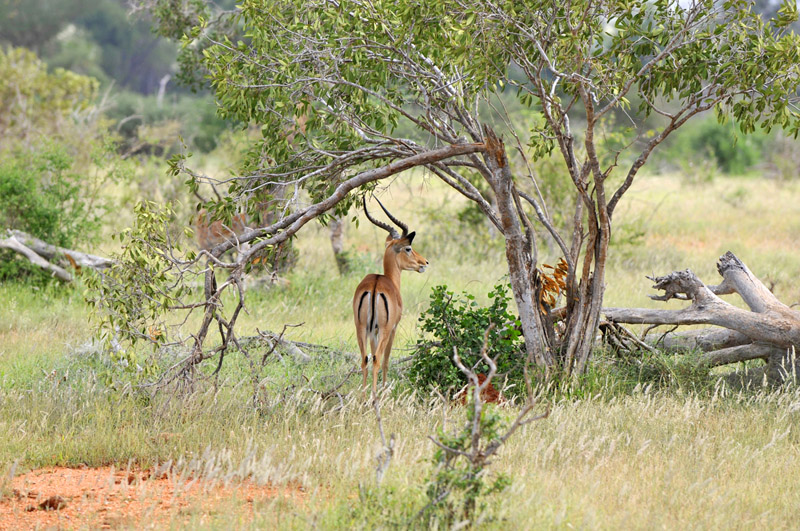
721, 143
459, 322
40, 194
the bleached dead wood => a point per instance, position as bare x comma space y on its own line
50, 257
15, 245
704, 339
769, 331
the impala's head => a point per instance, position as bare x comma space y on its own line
407, 258
399, 245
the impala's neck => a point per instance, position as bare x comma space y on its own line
390, 267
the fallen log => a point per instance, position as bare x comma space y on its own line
52, 252
705, 339
49, 257
770, 330
18, 247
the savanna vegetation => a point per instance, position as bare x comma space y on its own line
506, 136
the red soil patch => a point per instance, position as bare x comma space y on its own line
105, 498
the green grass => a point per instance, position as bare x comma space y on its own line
641, 445
39, 325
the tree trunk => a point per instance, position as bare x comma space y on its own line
520, 262
336, 226
769, 331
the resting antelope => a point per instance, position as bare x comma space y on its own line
209, 235
377, 304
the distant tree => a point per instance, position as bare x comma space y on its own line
32, 23
181, 20
90, 35
37, 104
357, 71
769, 9
132, 54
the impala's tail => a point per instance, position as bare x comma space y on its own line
370, 305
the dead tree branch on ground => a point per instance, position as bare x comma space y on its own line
51, 258
770, 330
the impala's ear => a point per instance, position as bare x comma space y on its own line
410, 237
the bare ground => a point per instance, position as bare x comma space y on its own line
107, 498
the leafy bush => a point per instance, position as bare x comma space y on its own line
721, 143
460, 323
56, 157
36, 103
40, 194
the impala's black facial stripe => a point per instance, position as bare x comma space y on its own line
385, 305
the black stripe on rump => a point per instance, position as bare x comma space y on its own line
386, 305
360, 302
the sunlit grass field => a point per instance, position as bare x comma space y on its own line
611, 456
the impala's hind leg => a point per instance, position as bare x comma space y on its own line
386, 352
373, 343
361, 335
384, 345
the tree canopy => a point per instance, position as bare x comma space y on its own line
381, 87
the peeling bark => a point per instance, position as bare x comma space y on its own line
520, 261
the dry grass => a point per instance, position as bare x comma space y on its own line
644, 460
655, 457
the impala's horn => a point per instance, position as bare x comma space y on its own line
394, 219
385, 226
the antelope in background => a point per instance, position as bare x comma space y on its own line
212, 234
377, 303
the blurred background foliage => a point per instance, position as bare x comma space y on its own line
131, 64
105, 88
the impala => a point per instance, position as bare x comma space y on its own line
377, 304
209, 235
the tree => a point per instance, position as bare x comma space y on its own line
362, 72
32, 23
181, 20
95, 38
